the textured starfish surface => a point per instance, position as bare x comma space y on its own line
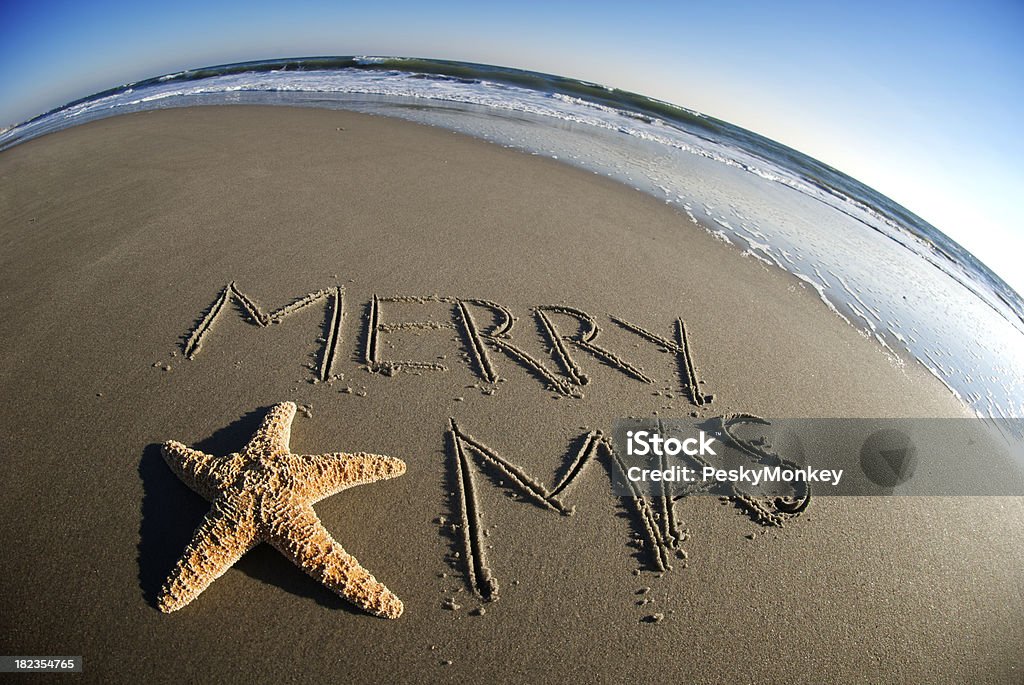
266, 494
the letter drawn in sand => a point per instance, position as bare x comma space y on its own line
255, 315
658, 527
687, 369
477, 572
330, 353
777, 510
475, 345
584, 340
374, 328
499, 337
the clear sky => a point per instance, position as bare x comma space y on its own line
921, 100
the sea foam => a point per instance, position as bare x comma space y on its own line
890, 274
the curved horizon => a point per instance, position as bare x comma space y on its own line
921, 102
609, 131
955, 252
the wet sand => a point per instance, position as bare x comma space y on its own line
120, 237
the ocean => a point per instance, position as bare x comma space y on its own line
919, 295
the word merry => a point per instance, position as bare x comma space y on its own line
482, 342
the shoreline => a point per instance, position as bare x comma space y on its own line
124, 234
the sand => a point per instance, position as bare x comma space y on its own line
118, 239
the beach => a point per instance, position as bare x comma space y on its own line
170, 275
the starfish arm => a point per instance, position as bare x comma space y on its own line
274, 434
322, 475
227, 532
202, 472
301, 537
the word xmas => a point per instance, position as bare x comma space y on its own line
484, 327
653, 510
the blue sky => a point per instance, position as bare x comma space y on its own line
921, 100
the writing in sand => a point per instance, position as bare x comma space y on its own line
484, 329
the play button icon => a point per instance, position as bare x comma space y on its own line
888, 458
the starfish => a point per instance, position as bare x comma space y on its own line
266, 494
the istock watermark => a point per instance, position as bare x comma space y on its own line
741, 454
642, 443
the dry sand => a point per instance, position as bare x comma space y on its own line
117, 236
